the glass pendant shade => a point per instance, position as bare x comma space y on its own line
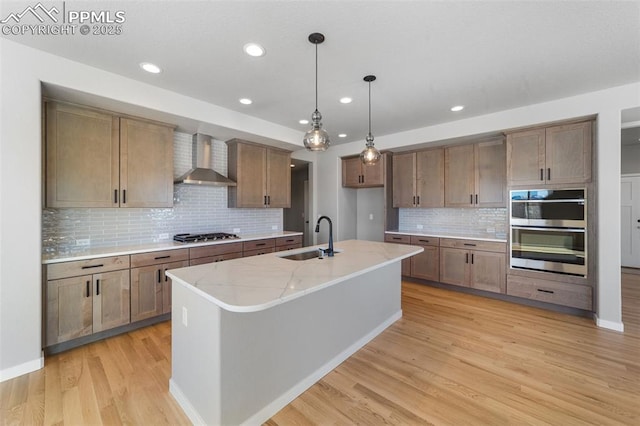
370, 155
316, 139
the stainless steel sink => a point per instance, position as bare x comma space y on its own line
305, 255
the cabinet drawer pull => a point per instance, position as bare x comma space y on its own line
396, 238
115, 196
162, 257
124, 196
549, 173
93, 266
88, 290
545, 291
290, 241
541, 174
424, 241
469, 244
97, 287
159, 275
261, 244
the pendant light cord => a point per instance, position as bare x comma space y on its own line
316, 76
369, 107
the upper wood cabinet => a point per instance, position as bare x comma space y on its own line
97, 159
418, 179
475, 175
559, 154
356, 174
262, 174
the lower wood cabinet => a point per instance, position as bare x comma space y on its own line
401, 239
150, 286
83, 305
288, 243
426, 265
559, 293
258, 247
475, 264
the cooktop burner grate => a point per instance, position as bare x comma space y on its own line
212, 236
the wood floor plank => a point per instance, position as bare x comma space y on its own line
452, 358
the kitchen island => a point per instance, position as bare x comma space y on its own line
249, 335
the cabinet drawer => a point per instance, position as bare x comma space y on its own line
287, 241
264, 250
215, 250
84, 267
159, 257
425, 241
289, 247
397, 238
216, 258
573, 295
474, 245
258, 244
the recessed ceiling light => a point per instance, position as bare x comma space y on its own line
246, 101
457, 108
254, 49
342, 135
149, 67
303, 121
346, 100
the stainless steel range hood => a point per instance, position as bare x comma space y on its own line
202, 172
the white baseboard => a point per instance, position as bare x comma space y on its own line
611, 325
184, 403
24, 368
267, 412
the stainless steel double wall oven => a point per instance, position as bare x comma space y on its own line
549, 230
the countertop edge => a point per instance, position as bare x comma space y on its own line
153, 247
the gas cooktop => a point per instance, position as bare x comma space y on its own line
212, 236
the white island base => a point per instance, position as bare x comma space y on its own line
231, 368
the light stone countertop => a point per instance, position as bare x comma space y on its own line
440, 235
256, 283
96, 252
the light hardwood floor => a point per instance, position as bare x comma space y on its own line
452, 359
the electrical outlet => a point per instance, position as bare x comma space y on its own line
163, 236
236, 230
83, 241
419, 226
184, 316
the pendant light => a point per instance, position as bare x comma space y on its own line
370, 155
316, 139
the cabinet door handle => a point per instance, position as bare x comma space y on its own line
476, 198
265, 200
545, 291
88, 289
124, 196
269, 199
466, 258
414, 200
159, 275
418, 199
541, 174
470, 198
472, 258
115, 196
162, 257
165, 275
97, 287
93, 266
549, 173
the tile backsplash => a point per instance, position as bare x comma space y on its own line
478, 223
196, 209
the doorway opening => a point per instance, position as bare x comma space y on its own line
297, 217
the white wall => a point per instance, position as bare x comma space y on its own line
630, 159
22, 69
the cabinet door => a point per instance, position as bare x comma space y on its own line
278, 178
488, 271
146, 164
351, 172
111, 307
430, 178
248, 167
69, 309
526, 157
404, 180
454, 266
426, 265
82, 157
459, 171
490, 179
568, 153
146, 292
406, 267
372, 174
166, 284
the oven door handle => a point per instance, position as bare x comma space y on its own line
532, 228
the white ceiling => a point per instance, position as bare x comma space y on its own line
427, 55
